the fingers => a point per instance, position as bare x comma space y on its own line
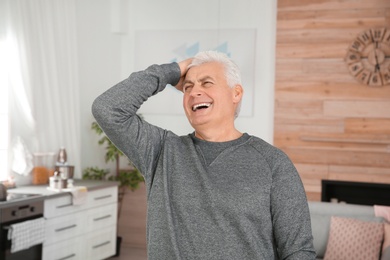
183, 70
184, 66
179, 85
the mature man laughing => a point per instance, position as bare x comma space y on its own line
216, 193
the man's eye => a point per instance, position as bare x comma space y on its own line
187, 88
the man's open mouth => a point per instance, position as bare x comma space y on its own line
200, 106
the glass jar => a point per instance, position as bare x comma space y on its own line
44, 164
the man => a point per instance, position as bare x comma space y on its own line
216, 193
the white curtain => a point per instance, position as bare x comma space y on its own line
44, 101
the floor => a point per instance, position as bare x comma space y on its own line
129, 253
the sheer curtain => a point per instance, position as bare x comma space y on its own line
44, 98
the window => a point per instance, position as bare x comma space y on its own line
4, 121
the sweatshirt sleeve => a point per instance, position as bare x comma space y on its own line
115, 111
290, 212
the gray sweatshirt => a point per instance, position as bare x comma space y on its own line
238, 200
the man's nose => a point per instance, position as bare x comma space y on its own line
196, 91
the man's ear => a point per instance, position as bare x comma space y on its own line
238, 91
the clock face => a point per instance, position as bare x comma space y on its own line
368, 57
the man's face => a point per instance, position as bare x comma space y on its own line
208, 100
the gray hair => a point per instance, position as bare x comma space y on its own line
232, 71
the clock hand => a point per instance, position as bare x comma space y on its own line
377, 67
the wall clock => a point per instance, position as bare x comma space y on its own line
368, 57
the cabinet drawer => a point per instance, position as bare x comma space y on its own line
103, 196
73, 249
61, 206
61, 228
101, 217
101, 244
64, 205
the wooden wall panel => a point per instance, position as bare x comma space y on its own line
332, 90
314, 5
310, 50
367, 125
357, 108
290, 18
331, 126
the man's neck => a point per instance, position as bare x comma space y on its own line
217, 135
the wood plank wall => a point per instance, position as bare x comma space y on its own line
331, 126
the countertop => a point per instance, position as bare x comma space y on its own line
41, 192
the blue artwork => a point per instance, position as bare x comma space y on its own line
184, 51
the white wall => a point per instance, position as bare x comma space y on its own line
107, 41
99, 68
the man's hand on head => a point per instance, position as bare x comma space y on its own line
183, 69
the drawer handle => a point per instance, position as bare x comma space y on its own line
103, 197
102, 244
101, 218
67, 257
65, 228
64, 206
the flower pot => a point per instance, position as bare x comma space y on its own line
118, 245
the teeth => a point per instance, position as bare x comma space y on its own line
195, 107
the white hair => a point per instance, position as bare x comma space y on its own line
232, 71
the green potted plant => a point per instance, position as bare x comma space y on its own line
129, 178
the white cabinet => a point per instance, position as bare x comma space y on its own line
64, 227
71, 249
101, 244
86, 231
